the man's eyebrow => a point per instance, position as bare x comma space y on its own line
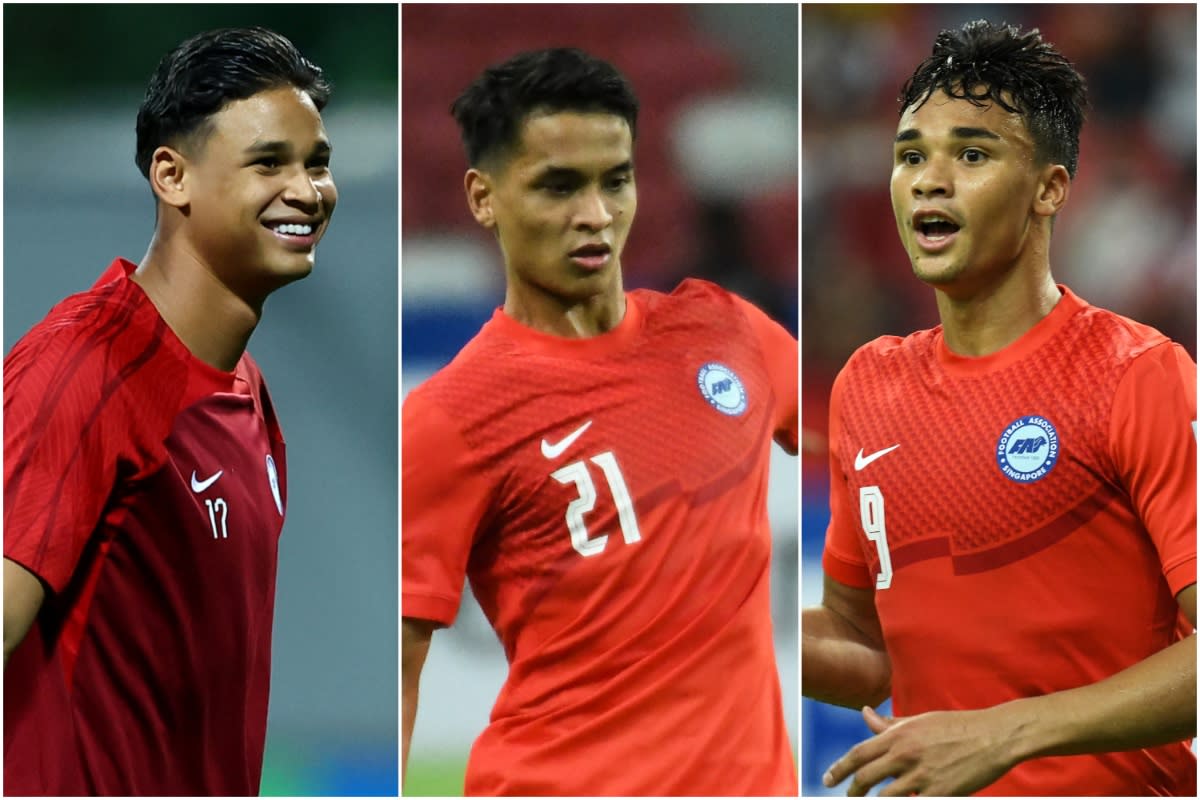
973, 133
320, 147
268, 147
908, 134
554, 171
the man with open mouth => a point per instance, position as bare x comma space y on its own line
145, 478
1011, 555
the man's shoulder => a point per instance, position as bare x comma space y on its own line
108, 315
915, 348
1112, 335
95, 343
478, 360
689, 292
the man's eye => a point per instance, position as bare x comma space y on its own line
910, 158
270, 162
618, 182
973, 156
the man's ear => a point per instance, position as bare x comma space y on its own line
1054, 186
170, 177
478, 186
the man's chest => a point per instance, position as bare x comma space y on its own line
217, 503
595, 449
981, 471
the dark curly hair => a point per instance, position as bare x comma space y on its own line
988, 63
490, 111
199, 77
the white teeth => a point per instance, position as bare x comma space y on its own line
295, 230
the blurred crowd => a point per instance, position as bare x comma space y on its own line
1127, 238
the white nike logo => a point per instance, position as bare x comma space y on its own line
556, 450
860, 461
200, 486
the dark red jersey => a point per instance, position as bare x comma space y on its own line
1026, 520
607, 499
146, 490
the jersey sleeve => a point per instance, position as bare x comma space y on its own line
65, 438
842, 560
781, 354
445, 496
1153, 441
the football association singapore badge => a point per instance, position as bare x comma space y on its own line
722, 388
1028, 449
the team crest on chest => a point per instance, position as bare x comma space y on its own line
722, 388
1027, 449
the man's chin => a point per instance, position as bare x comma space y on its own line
293, 269
938, 274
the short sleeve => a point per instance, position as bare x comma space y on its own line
842, 559
65, 431
781, 354
445, 496
1153, 440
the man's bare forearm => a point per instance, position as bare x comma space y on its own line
409, 706
841, 664
414, 646
1150, 703
23, 598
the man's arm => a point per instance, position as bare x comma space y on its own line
414, 646
23, 596
844, 658
1148, 704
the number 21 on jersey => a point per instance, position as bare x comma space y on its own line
870, 508
577, 472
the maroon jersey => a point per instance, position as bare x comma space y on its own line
146, 490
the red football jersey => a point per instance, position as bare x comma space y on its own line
607, 499
146, 490
1026, 519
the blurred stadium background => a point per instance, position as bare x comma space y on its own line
73, 200
716, 169
1126, 241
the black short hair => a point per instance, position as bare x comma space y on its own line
490, 111
199, 77
984, 62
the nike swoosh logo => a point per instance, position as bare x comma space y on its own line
200, 486
861, 461
556, 450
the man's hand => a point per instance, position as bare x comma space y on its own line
939, 753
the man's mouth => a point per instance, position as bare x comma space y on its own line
934, 230
300, 234
591, 256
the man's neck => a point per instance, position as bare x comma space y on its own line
591, 316
986, 321
211, 320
